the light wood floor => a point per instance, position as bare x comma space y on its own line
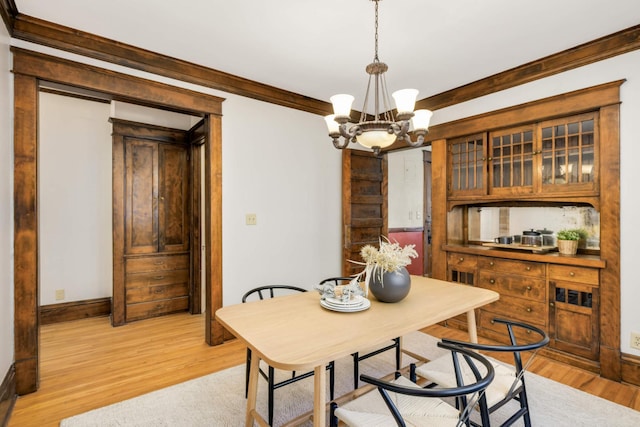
87, 364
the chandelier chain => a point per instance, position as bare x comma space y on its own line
376, 33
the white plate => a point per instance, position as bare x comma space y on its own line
365, 304
337, 302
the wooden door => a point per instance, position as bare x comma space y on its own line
364, 204
141, 196
173, 198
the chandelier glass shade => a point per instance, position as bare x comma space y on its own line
380, 128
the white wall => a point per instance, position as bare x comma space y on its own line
279, 164
6, 205
74, 199
406, 188
619, 67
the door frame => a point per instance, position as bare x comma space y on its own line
29, 69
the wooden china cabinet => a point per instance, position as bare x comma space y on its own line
152, 255
547, 153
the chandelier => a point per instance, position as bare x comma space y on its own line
381, 128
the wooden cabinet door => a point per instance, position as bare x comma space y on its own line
141, 196
173, 203
467, 166
512, 161
364, 204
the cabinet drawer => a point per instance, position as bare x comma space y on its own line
518, 286
574, 274
527, 311
525, 268
466, 261
156, 308
157, 263
156, 291
156, 278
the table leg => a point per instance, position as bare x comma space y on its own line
471, 325
319, 393
252, 394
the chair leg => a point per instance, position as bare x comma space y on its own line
356, 370
524, 404
333, 420
332, 380
271, 381
398, 353
246, 385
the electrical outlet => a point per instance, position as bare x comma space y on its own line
59, 294
251, 219
635, 340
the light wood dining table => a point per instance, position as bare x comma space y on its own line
294, 333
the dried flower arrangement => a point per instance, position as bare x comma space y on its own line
387, 258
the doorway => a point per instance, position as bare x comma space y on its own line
30, 69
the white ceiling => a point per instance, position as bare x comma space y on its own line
321, 47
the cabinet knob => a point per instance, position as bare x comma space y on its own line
491, 263
528, 331
461, 259
552, 304
529, 310
492, 281
493, 322
528, 268
528, 288
571, 273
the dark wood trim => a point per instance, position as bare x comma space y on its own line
439, 209
139, 91
74, 95
54, 35
74, 310
610, 319
121, 87
619, 43
71, 40
9, 11
575, 102
25, 240
197, 138
8, 396
631, 369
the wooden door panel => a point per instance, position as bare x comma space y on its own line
141, 219
173, 206
364, 204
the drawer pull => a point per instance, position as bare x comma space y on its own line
528, 288
491, 264
529, 310
493, 322
158, 277
492, 281
528, 331
528, 268
552, 304
461, 259
571, 273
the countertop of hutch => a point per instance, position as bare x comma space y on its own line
550, 257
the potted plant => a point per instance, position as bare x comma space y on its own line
385, 272
568, 241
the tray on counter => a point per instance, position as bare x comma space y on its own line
521, 247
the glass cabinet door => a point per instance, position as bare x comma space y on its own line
568, 153
511, 161
467, 157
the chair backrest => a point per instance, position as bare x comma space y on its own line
483, 372
337, 280
536, 339
270, 291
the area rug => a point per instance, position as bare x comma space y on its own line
218, 399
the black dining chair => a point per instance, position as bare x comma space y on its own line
272, 291
509, 383
403, 402
358, 357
